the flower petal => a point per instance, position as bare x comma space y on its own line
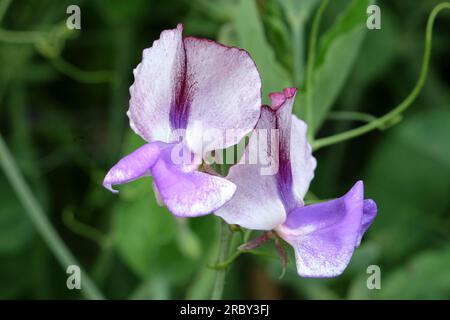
133, 166
198, 85
303, 163
277, 184
156, 89
324, 235
224, 92
369, 214
187, 192
257, 204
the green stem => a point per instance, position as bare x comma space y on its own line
310, 69
90, 77
21, 37
40, 220
82, 229
224, 248
395, 113
351, 116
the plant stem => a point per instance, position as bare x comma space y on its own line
310, 69
40, 220
351, 116
224, 248
83, 76
397, 111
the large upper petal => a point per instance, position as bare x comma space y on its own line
185, 191
268, 189
225, 93
324, 235
157, 84
197, 85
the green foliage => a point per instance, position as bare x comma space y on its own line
250, 35
339, 47
64, 120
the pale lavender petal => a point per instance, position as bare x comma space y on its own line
324, 235
158, 84
369, 214
187, 192
278, 182
224, 93
257, 204
303, 163
133, 166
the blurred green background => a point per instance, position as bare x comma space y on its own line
63, 99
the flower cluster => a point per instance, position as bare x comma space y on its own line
188, 95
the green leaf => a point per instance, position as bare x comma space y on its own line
337, 52
250, 36
298, 10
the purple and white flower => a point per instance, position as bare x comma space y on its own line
323, 235
187, 92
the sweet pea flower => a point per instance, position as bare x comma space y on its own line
187, 92
323, 235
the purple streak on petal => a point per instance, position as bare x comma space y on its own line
133, 166
369, 214
324, 235
180, 106
282, 104
187, 192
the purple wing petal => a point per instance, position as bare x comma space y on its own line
187, 192
157, 87
369, 214
224, 93
324, 235
133, 166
